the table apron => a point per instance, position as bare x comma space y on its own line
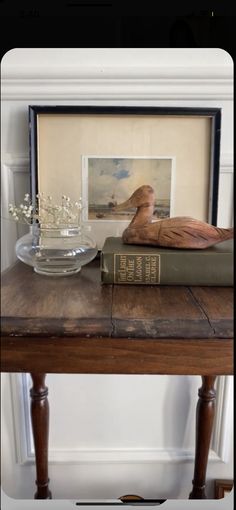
105, 355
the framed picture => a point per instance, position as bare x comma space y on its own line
110, 180
223, 488
104, 153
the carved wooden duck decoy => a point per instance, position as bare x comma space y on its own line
178, 232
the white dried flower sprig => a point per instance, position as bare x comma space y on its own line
47, 213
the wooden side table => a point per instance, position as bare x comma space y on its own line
77, 325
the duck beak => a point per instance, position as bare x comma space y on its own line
124, 206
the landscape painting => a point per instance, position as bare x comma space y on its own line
112, 180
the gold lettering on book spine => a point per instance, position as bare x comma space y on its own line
133, 268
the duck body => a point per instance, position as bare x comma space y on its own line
181, 232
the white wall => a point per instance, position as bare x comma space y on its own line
115, 434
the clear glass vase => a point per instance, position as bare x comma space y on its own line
56, 251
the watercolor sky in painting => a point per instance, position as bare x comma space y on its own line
115, 179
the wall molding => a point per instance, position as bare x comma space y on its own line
20, 384
223, 417
16, 162
227, 162
117, 74
11, 230
10, 167
20, 162
120, 456
131, 87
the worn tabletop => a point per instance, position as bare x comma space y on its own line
79, 312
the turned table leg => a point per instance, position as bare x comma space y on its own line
204, 423
40, 426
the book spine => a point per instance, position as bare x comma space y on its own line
185, 268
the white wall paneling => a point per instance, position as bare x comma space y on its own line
21, 384
225, 199
15, 183
125, 434
224, 418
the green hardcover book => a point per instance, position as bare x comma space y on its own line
148, 265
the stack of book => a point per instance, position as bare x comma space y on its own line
148, 265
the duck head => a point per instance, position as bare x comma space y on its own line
142, 197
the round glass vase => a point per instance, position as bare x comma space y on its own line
56, 251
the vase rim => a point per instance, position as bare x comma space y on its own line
55, 227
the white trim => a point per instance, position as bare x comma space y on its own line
9, 228
21, 419
113, 89
223, 417
119, 456
24, 440
16, 162
20, 162
76, 61
226, 163
74, 74
117, 74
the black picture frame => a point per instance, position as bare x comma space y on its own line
213, 113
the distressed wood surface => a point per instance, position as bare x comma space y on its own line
40, 305
117, 355
217, 304
80, 306
158, 311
